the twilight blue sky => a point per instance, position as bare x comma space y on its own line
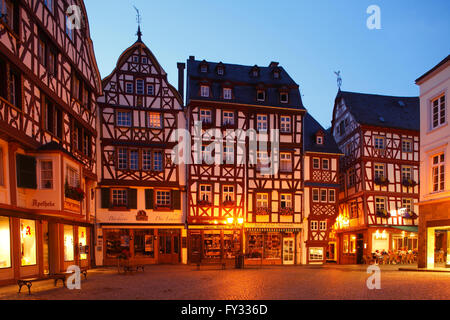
310, 39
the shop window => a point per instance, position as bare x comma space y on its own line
231, 244
82, 242
68, 243
255, 245
144, 243
212, 247
2, 168
353, 244
272, 246
345, 244
315, 254
5, 243
117, 242
28, 242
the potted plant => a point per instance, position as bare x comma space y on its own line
381, 181
228, 203
262, 211
383, 214
410, 215
204, 203
74, 193
287, 211
409, 183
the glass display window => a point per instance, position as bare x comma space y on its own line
212, 245
68, 243
5, 243
255, 245
272, 246
315, 254
117, 242
82, 242
28, 242
144, 243
231, 243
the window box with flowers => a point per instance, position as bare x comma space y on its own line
204, 203
74, 193
262, 211
381, 181
383, 214
287, 212
410, 215
228, 203
409, 183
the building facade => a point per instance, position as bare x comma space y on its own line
49, 83
321, 188
379, 178
141, 190
235, 205
434, 226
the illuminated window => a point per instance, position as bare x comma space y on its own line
285, 124
438, 172
119, 197
28, 242
261, 122
82, 242
46, 174
262, 200
285, 162
315, 254
68, 243
345, 244
286, 201
353, 244
205, 193
163, 198
228, 193
314, 225
2, 168
438, 112
5, 243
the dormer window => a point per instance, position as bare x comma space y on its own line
319, 140
284, 97
220, 71
255, 72
203, 68
261, 95
227, 93
204, 91
276, 74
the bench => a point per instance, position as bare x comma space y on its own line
29, 282
129, 266
212, 262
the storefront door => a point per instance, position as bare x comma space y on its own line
331, 252
288, 251
195, 247
169, 246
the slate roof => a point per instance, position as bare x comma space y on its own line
243, 84
310, 128
383, 111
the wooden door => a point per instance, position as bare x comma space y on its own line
169, 246
195, 247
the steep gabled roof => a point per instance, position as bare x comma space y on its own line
310, 128
383, 111
243, 83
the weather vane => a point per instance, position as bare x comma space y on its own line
139, 20
339, 79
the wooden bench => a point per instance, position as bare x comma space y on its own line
212, 262
129, 266
29, 282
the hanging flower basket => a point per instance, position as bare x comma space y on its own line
74, 193
410, 215
287, 211
262, 211
383, 214
381, 181
409, 183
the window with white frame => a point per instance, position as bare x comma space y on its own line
323, 226
261, 122
286, 162
135, 59
46, 174
261, 95
227, 93
262, 160
379, 142
316, 254
406, 173
408, 204
379, 170
325, 164
228, 152
332, 195
438, 172
122, 159
380, 204
146, 160
157, 161
124, 118
207, 153
155, 120
319, 140
228, 118
139, 86
262, 200
228, 193
323, 195
204, 91
315, 195
129, 87
73, 177
144, 60
286, 201
150, 89
314, 225
162, 198
206, 116
205, 193
203, 68
284, 97
316, 163
407, 145
353, 210
285, 124
119, 197
438, 112
134, 160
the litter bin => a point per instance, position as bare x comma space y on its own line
239, 261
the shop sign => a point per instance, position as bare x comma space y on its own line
142, 216
42, 204
274, 225
71, 206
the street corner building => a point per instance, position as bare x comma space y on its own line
379, 174
141, 192
434, 223
49, 84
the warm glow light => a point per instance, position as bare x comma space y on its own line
240, 220
381, 236
230, 220
216, 222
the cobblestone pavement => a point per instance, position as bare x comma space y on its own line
266, 283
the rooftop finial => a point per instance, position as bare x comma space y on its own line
339, 79
138, 19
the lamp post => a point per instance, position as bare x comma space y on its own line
238, 225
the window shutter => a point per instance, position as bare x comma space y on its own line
176, 200
106, 194
26, 172
132, 198
149, 197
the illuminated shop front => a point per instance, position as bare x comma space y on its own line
28, 242
5, 243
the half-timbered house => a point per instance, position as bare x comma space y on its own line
49, 83
379, 186
321, 168
235, 205
141, 188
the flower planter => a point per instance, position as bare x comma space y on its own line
381, 181
383, 214
287, 212
73, 193
262, 211
204, 203
409, 183
410, 215
228, 203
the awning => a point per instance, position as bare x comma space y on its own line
274, 229
407, 228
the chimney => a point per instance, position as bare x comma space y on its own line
273, 64
191, 58
181, 67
